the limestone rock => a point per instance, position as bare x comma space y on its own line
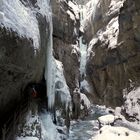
65, 20
21, 62
65, 38
113, 51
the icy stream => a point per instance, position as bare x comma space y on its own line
87, 128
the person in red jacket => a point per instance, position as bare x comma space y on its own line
34, 93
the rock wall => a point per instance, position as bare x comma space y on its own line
112, 32
22, 54
65, 39
24, 36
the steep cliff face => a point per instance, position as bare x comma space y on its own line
112, 32
23, 43
65, 39
24, 36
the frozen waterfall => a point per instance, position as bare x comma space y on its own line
55, 80
84, 85
83, 47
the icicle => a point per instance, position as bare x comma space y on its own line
62, 88
50, 66
54, 71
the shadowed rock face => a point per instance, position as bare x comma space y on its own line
114, 56
20, 64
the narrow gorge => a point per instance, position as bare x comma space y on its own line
69, 69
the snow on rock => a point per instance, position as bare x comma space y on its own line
71, 14
90, 53
111, 33
116, 133
114, 7
74, 8
14, 15
85, 99
132, 103
20, 19
73, 11
107, 119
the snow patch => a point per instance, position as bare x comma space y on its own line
74, 8
116, 133
107, 119
15, 16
